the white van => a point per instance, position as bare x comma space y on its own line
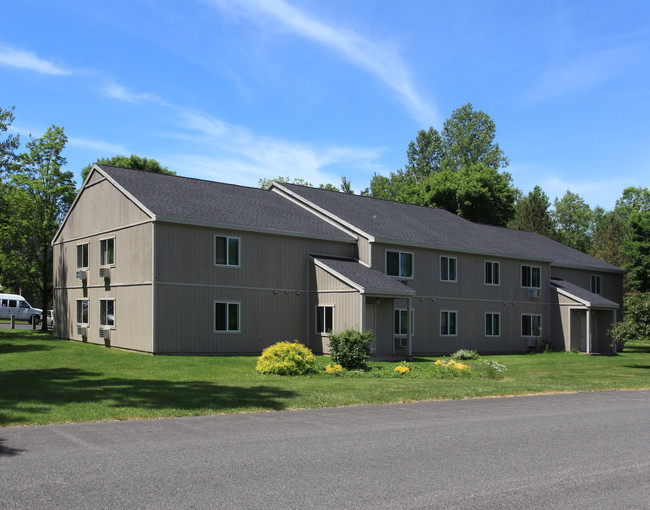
13, 304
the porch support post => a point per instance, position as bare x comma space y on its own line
613, 324
408, 331
588, 332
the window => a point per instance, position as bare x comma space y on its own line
82, 311
448, 269
82, 256
226, 317
107, 252
226, 251
492, 270
596, 284
23, 304
107, 312
448, 323
531, 325
492, 324
399, 264
324, 319
531, 276
401, 323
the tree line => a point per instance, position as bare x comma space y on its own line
460, 168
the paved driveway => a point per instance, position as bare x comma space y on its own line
586, 450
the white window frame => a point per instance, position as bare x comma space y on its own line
103, 252
539, 331
530, 282
101, 304
492, 334
448, 259
599, 286
397, 322
228, 239
228, 305
87, 312
87, 245
493, 264
448, 314
323, 309
400, 254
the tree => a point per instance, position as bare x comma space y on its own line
10, 144
574, 222
635, 325
476, 193
636, 250
532, 213
465, 144
39, 195
633, 200
132, 161
610, 234
264, 183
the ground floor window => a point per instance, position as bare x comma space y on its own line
226, 317
492, 324
82, 311
448, 321
401, 326
531, 325
107, 312
324, 319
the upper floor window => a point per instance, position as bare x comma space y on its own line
399, 263
596, 284
531, 325
107, 312
492, 324
531, 276
448, 269
324, 319
226, 251
107, 252
82, 256
226, 317
448, 321
492, 273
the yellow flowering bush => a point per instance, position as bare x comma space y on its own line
333, 369
402, 369
452, 367
286, 358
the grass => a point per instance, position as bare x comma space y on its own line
44, 380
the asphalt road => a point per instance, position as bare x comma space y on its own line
586, 450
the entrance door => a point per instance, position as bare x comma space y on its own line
583, 331
371, 325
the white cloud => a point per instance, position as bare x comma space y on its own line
380, 59
235, 154
119, 92
107, 148
23, 59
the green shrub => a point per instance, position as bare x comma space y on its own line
465, 354
286, 358
636, 320
350, 348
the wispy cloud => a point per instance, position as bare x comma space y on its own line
23, 59
105, 147
380, 59
230, 151
581, 74
116, 91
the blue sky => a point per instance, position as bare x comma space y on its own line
236, 91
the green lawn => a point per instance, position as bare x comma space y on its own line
43, 380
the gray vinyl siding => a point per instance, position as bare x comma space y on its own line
271, 284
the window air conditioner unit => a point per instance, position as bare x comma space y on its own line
82, 330
534, 293
401, 343
104, 333
532, 342
81, 275
104, 272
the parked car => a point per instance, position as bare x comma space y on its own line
50, 318
13, 304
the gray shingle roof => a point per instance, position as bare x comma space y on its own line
199, 202
395, 222
366, 279
594, 300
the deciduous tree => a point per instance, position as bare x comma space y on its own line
132, 161
532, 213
574, 222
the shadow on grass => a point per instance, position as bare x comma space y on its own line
637, 348
27, 392
7, 348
